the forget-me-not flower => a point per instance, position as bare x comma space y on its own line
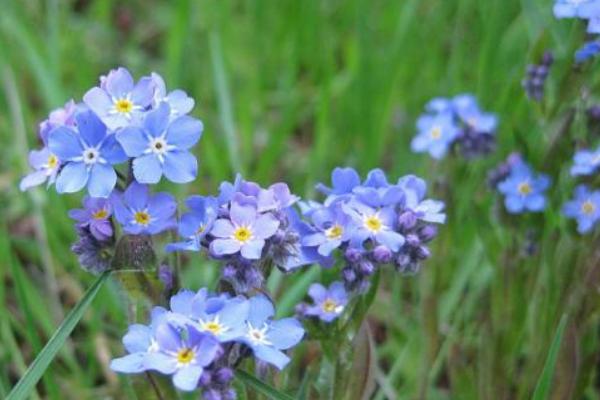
95, 216
195, 224
524, 190
585, 208
333, 227
88, 156
329, 303
179, 102
436, 134
374, 224
583, 9
45, 165
586, 162
161, 146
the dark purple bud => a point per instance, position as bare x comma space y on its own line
407, 220
229, 394
279, 236
212, 394
594, 113
205, 378
366, 267
165, 274
382, 254
422, 253
300, 309
403, 260
223, 375
353, 255
363, 286
548, 58
349, 274
413, 240
428, 232
229, 272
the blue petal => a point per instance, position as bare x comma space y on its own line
72, 178
285, 333
180, 166
252, 250
147, 169
98, 101
136, 196
271, 355
102, 181
65, 143
156, 121
184, 132
143, 92
261, 309
119, 82
133, 140
130, 364
33, 179
187, 378
182, 302
137, 339
160, 362
91, 129
221, 247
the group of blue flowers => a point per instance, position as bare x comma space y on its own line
456, 122
246, 229
587, 10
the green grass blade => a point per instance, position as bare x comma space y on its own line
542, 389
260, 386
35, 371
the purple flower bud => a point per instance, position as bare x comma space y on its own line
353, 255
382, 254
403, 260
349, 274
422, 253
363, 286
228, 272
165, 274
413, 240
212, 394
428, 232
300, 309
229, 394
366, 267
223, 375
548, 58
407, 220
205, 378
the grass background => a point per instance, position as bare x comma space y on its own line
288, 90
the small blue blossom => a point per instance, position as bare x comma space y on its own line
179, 102
333, 227
524, 190
436, 134
467, 109
374, 224
584, 208
244, 231
88, 156
119, 101
267, 338
141, 213
160, 146
95, 216
587, 51
223, 318
45, 165
427, 210
343, 181
586, 162
582, 9
329, 303
195, 224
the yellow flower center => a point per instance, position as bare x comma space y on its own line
200, 229
524, 188
435, 132
373, 223
142, 217
588, 207
185, 356
213, 327
52, 161
329, 306
100, 214
242, 234
124, 106
335, 232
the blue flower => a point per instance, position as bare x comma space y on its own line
374, 224
94, 216
329, 303
426, 210
141, 213
267, 338
468, 111
583, 9
245, 231
195, 224
223, 318
59, 117
87, 154
162, 147
585, 208
182, 354
179, 102
439, 105
118, 101
586, 162
333, 227
343, 181
45, 165
587, 51
436, 134
524, 190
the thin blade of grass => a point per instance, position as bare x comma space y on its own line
35, 371
542, 389
260, 386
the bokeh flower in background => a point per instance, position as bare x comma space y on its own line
524, 190
584, 208
586, 162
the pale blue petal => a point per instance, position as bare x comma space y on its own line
102, 180
133, 140
184, 132
180, 166
147, 169
72, 178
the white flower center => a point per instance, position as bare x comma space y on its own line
91, 156
158, 145
258, 336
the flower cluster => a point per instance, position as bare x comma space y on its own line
248, 229
585, 205
588, 10
372, 223
458, 121
535, 80
203, 336
523, 189
119, 120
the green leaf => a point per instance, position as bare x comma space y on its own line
542, 389
35, 371
260, 386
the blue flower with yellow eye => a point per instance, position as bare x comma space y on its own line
524, 190
329, 303
87, 155
141, 213
196, 223
161, 146
436, 134
584, 208
45, 165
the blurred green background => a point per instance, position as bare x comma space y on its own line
287, 90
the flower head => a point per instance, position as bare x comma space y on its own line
584, 208
436, 134
586, 162
329, 303
524, 190
196, 224
94, 216
161, 146
179, 102
45, 165
141, 213
588, 50
332, 228
87, 155
64, 116
119, 101
583, 9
